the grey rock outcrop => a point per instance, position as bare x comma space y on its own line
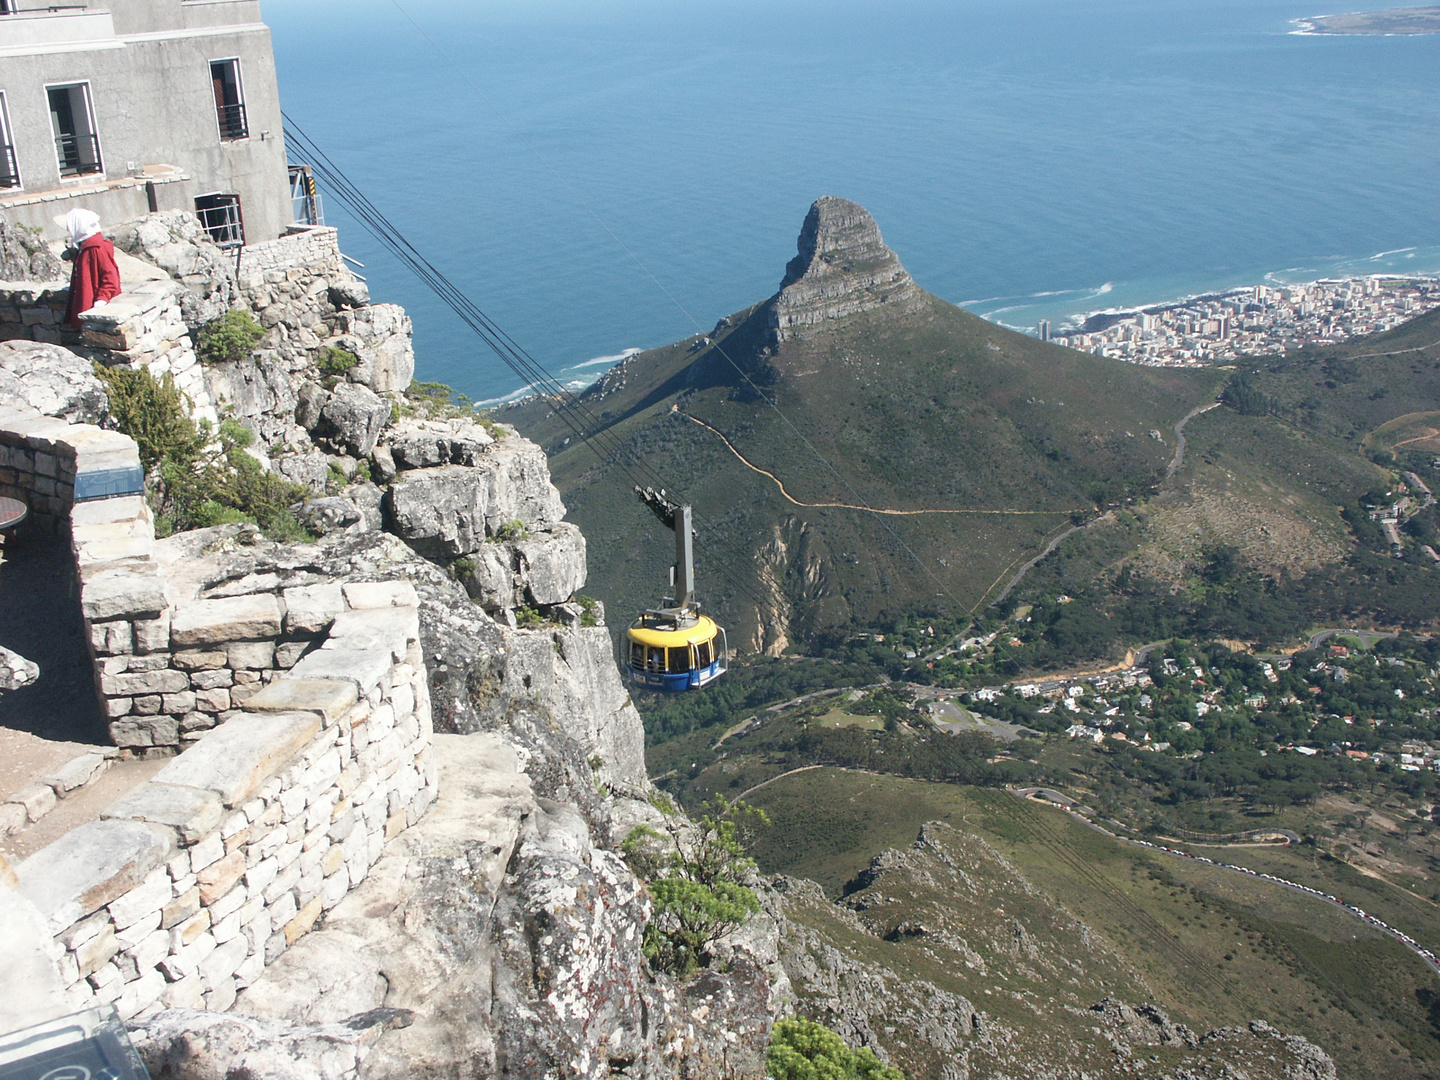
175, 241
451, 510
842, 268
547, 567
423, 444
352, 418
26, 257
192, 1044
379, 335
258, 394
15, 670
512, 938
53, 381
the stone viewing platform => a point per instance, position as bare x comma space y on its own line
190, 884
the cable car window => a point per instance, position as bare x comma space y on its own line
655, 658
702, 654
637, 654
680, 659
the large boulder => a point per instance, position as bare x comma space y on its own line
24, 256
54, 381
379, 335
423, 444
175, 241
544, 568
451, 510
256, 392
15, 670
352, 418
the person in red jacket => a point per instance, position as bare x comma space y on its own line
94, 279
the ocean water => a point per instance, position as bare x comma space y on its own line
605, 176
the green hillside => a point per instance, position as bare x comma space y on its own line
999, 439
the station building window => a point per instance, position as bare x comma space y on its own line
9, 168
72, 122
229, 100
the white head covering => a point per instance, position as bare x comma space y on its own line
81, 224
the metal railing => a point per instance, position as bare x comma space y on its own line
304, 199
9, 170
12, 7
233, 123
79, 154
223, 223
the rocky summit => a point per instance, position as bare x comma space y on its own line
842, 268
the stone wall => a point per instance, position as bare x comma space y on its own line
189, 885
144, 327
35, 311
51, 465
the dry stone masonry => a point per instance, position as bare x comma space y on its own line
188, 886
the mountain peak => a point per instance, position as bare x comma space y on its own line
842, 268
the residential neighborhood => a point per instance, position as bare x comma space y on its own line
1253, 321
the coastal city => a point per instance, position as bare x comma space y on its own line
1256, 320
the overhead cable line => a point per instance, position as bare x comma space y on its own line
571, 412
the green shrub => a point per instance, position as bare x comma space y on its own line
529, 618
152, 413
698, 887
335, 361
514, 529
437, 400
587, 610
196, 477
801, 1049
230, 337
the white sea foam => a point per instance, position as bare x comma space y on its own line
608, 361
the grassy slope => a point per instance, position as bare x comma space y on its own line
1211, 947
942, 410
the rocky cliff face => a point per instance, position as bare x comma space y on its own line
500, 935
843, 268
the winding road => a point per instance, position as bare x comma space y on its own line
1179, 458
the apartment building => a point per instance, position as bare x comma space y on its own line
128, 106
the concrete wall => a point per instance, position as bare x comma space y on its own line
148, 65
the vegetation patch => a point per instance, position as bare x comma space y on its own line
334, 362
231, 337
195, 476
697, 881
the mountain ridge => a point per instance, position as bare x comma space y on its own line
853, 385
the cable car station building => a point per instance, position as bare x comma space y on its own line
131, 106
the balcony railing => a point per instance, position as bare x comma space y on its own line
233, 124
9, 171
79, 154
222, 221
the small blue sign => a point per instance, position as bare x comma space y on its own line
109, 483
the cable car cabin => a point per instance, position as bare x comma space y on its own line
675, 654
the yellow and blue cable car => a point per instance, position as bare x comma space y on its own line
675, 648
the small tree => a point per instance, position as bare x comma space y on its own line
801, 1049
698, 887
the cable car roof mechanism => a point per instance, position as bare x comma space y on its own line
675, 648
